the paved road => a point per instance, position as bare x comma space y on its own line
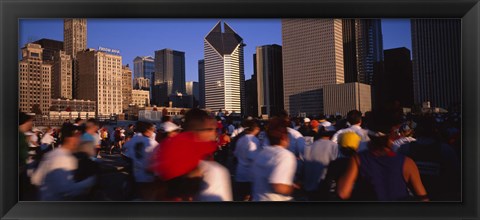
113, 180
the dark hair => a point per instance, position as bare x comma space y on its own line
93, 121
354, 117
195, 118
77, 120
324, 133
165, 118
277, 129
23, 118
322, 117
378, 143
143, 126
160, 136
250, 125
68, 130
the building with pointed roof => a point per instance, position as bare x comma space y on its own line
224, 69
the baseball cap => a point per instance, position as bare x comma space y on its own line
167, 127
349, 140
179, 155
314, 124
306, 120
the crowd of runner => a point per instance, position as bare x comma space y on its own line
205, 158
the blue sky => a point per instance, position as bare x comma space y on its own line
141, 37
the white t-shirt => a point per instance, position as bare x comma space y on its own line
317, 158
296, 142
325, 124
59, 158
363, 133
216, 182
245, 151
237, 131
140, 149
401, 141
273, 165
47, 139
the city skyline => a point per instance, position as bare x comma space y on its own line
184, 35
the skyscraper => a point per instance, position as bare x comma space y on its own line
201, 83
396, 83
193, 93
100, 79
224, 70
169, 76
269, 79
34, 81
144, 67
362, 47
192, 88
62, 76
74, 35
312, 57
251, 96
126, 87
75, 40
49, 48
436, 50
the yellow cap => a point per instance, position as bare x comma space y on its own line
349, 140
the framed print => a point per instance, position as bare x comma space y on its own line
216, 109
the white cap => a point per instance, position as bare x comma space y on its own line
169, 127
306, 120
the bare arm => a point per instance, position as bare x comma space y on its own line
347, 181
282, 189
412, 177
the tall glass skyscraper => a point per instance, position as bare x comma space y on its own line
363, 47
269, 79
436, 50
224, 70
201, 83
143, 67
169, 76
312, 54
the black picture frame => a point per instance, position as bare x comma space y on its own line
12, 10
